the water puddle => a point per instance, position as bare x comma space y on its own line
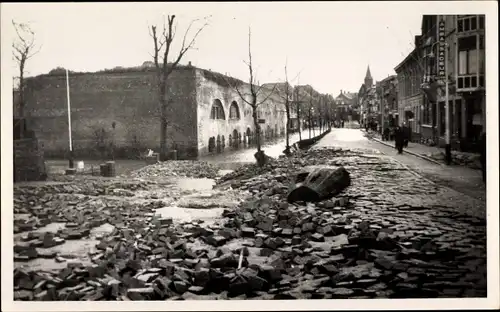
181, 215
195, 184
102, 230
51, 227
223, 172
72, 251
22, 216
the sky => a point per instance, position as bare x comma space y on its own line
325, 44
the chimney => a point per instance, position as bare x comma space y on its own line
189, 64
341, 91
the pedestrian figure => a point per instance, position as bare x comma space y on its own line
406, 135
386, 134
482, 145
399, 139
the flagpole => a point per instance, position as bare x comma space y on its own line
71, 164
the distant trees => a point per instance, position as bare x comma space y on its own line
162, 43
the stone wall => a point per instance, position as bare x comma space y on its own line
212, 87
119, 109
28, 160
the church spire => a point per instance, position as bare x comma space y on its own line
368, 78
368, 74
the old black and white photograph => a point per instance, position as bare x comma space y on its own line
303, 155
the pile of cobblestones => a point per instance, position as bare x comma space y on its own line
389, 235
181, 168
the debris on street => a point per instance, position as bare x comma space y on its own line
387, 235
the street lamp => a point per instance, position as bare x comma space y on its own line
447, 104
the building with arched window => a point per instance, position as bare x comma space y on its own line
234, 111
217, 111
202, 105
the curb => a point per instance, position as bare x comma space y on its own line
411, 153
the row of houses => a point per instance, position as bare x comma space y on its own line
416, 95
460, 41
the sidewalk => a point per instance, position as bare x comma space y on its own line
431, 153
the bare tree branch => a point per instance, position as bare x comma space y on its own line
162, 49
185, 48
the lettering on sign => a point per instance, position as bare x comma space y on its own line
441, 72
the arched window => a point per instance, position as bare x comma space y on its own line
234, 111
217, 111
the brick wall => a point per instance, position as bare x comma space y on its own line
28, 160
124, 105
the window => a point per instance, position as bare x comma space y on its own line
259, 112
234, 112
467, 23
427, 113
217, 111
481, 21
467, 55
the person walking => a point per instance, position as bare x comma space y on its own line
399, 139
406, 134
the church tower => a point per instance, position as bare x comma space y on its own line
368, 78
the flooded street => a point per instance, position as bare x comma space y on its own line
232, 158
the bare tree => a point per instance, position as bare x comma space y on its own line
162, 48
298, 100
310, 111
286, 94
23, 48
255, 90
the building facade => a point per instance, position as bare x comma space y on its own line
347, 107
286, 91
461, 38
120, 109
410, 98
389, 101
369, 100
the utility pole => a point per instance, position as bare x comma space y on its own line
444, 47
447, 107
71, 162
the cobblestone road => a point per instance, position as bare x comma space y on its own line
390, 234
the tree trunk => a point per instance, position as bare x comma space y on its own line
163, 123
287, 108
309, 121
21, 99
256, 122
320, 184
299, 123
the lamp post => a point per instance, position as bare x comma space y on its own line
447, 104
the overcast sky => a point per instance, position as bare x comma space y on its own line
330, 43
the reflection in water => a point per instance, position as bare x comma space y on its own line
245, 155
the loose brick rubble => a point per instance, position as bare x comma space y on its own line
184, 168
389, 235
